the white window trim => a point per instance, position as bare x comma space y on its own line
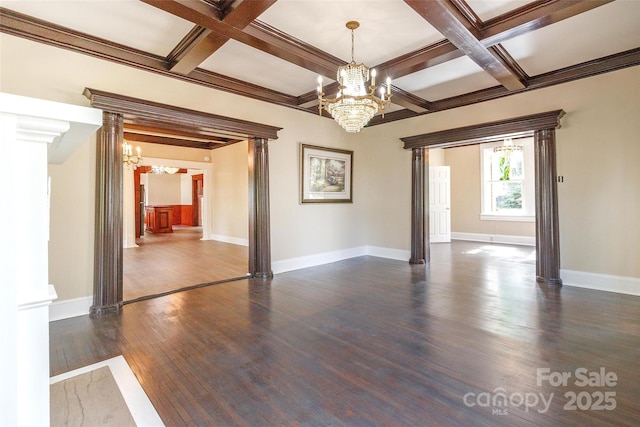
527, 215
514, 218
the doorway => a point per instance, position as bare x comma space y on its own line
197, 194
167, 125
180, 251
542, 127
440, 204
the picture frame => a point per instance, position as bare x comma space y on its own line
326, 175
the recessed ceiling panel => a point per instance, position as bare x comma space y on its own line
445, 80
128, 22
602, 31
243, 62
490, 9
388, 28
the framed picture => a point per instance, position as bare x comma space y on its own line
326, 174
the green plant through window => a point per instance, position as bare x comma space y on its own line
505, 184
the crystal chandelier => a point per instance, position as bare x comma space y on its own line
507, 147
128, 158
160, 170
356, 103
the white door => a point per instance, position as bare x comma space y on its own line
439, 204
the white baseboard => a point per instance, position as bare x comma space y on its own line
316, 259
229, 239
601, 282
328, 257
399, 254
70, 308
495, 238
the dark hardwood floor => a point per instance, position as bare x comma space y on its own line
167, 262
371, 341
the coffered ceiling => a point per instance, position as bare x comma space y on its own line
440, 54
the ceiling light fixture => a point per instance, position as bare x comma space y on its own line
128, 158
354, 105
160, 170
507, 146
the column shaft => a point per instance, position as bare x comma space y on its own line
419, 224
107, 275
547, 235
259, 224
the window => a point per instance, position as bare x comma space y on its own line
507, 180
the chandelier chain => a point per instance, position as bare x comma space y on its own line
353, 48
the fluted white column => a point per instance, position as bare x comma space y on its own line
37, 132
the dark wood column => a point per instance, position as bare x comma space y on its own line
547, 229
107, 270
419, 224
259, 226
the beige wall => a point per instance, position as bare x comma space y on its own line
296, 230
71, 223
466, 197
161, 151
598, 154
230, 191
163, 189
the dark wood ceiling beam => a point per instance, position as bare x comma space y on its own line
420, 59
392, 117
256, 36
500, 52
618, 61
192, 51
138, 126
312, 58
409, 100
533, 16
194, 48
177, 142
530, 17
37, 30
448, 20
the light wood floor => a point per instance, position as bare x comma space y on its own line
374, 342
169, 261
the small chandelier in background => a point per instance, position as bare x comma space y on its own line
164, 170
128, 158
507, 147
355, 104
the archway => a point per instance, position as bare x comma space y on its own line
542, 127
118, 110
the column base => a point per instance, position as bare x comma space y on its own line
266, 275
547, 281
103, 310
417, 261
